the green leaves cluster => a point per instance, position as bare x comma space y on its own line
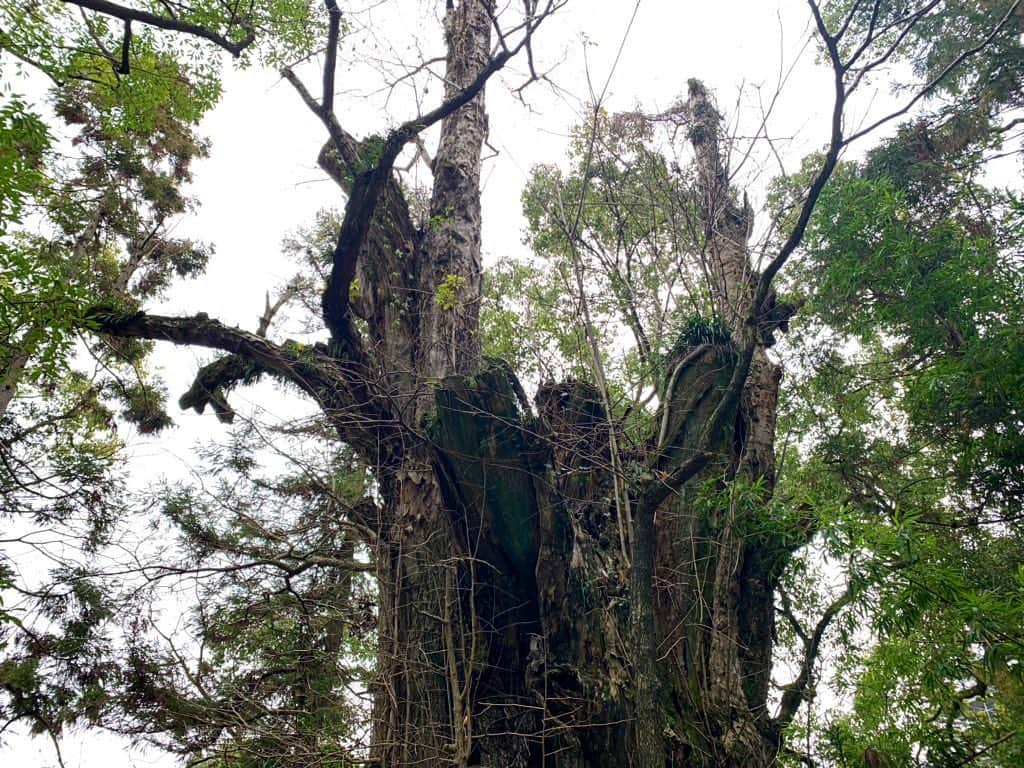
616, 238
910, 414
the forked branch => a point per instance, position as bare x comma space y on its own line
369, 182
798, 691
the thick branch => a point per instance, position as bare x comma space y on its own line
340, 387
344, 143
214, 380
200, 330
659, 488
126, 47
234, 47
366, 192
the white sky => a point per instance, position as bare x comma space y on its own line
262, 181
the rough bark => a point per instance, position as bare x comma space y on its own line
451, 280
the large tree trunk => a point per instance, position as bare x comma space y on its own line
506, 637
511, 631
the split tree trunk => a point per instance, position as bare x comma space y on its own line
509, 634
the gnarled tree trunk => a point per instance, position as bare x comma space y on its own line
512, 632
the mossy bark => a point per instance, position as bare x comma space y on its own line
506, 631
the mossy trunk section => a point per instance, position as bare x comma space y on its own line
507, 636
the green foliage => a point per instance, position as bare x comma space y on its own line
24, 138
90, 46
702, 330
522, 321
905, 407
279, 606
909, 417
615, 232
695, 330
100, 235
447, 296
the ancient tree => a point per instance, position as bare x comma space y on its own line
551, 590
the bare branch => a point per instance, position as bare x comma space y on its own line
887, 54
939, 78
835, 145
797, 692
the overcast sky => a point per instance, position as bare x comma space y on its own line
261, 180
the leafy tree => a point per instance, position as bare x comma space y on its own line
913, 412
589, 579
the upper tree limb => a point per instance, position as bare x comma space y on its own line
128, 14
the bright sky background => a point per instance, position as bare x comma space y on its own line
261, 181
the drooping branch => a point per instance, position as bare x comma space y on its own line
126, 14
213, 381
342, 388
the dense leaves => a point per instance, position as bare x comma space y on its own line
909, 408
